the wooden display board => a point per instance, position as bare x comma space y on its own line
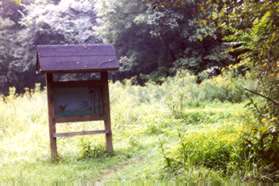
76, 101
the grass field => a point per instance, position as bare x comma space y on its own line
148, 125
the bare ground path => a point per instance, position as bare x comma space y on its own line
108, 173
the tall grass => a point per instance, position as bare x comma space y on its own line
198, 124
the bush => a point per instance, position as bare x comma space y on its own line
89, 150
250, 151
259, 149
177, 93
185, 92
210, 148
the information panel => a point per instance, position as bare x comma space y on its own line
78, 101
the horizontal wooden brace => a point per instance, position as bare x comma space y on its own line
78, 119
82, 83
82, 133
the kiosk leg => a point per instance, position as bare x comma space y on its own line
109, 146
51, 122
53, 144
107, 121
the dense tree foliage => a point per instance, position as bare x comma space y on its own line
148, 38
161, 38
261, 41
25, 25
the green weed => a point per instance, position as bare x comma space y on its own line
210, 127
90, 150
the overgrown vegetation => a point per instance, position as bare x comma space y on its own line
193, 126
202, 140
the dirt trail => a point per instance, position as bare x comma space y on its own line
108, 173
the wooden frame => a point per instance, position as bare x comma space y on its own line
53, 119
75, 101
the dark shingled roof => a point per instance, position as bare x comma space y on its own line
76, 58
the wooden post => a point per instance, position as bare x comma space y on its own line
107, 121
51, 117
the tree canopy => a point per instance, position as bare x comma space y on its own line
151, 36
25, 25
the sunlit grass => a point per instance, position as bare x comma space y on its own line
142, 119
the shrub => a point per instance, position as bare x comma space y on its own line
259, 149
153, 130
186, 92
134, 143
89, 150
210, 148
